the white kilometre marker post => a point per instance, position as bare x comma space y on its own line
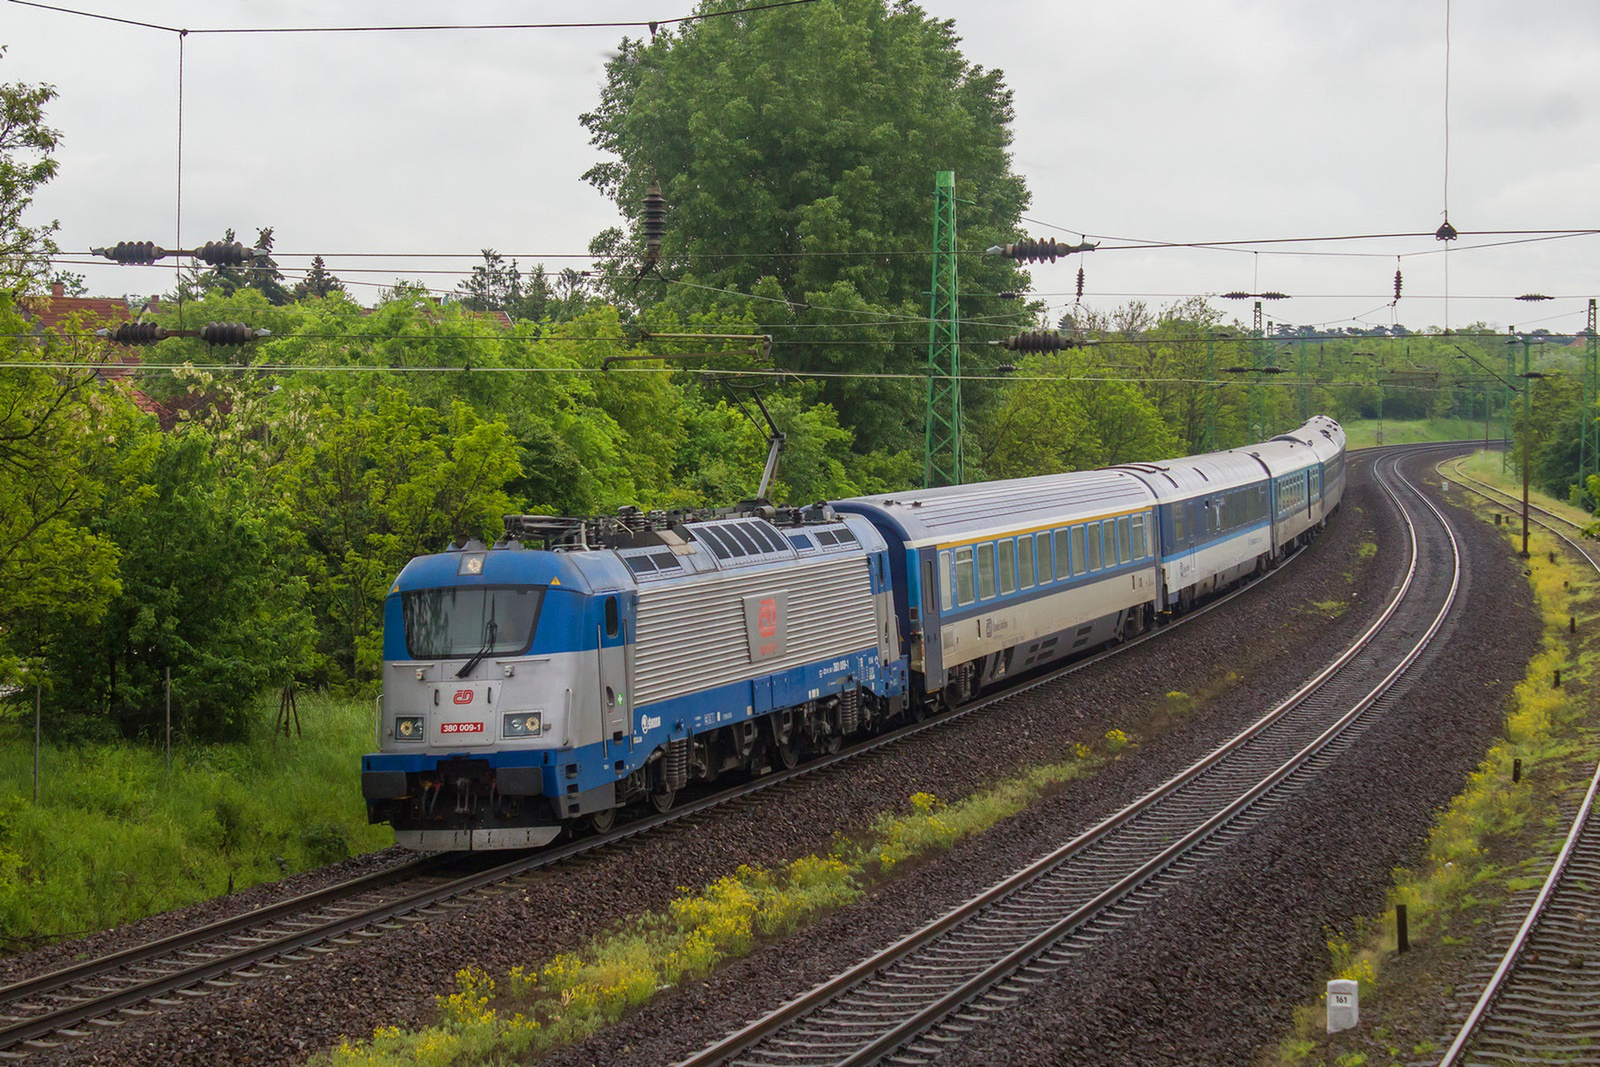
1344, 1009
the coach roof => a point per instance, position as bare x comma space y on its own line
958, 513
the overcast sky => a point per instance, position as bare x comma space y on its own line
1162, 120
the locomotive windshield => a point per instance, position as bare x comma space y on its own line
461, 621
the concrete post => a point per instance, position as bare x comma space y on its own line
1343, 1004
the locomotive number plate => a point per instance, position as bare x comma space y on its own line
461, 728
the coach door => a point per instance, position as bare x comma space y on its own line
615, 698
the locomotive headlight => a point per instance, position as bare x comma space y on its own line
408, 728
522, 724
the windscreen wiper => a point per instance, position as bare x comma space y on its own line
477, 657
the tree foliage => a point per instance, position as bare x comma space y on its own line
205, 592
318, 282
26, 163
57, 434
797, 153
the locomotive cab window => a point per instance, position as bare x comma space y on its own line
459, 622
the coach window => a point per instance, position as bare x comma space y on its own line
1091, 537
965, 590
1125, 553
1179, 534
1007, 560
1138, 537
613, 619
1025, 562
1046, 557
1077, 550
985, 571
1062, 569
944, 580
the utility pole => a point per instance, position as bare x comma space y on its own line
1257, 399
1528, 375
942, 445
1527, 435
1589, 431
1305, 383
1511, 372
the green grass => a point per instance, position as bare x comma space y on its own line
116, 837
1486, 467
1363, 433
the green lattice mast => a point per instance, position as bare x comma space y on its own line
943, 443
1256, 402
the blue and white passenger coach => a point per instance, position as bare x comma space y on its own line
525, 687
1001, 576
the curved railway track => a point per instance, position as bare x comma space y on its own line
924, 994
41, 1012
1538, 1005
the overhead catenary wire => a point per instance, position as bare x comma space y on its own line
650, 24
125, 369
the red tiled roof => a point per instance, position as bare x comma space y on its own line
90, 312
57, 311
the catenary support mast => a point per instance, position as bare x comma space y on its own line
943, 417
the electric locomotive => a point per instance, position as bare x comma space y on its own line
527, 687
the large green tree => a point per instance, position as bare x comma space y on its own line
797, 152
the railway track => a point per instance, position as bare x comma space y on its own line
917, 998
1538, 1003
42, 1012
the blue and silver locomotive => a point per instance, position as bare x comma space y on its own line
527, 687
579, 665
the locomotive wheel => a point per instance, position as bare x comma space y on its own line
601, 822
787, 753
661, 799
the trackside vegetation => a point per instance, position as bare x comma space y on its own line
116, 837
1475, 855
530, 1010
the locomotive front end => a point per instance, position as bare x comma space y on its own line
494, 661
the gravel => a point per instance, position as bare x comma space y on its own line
1217, 967
1239, 651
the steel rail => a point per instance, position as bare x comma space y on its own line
1496, 984
29, 1029
149, 950
907, 1028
